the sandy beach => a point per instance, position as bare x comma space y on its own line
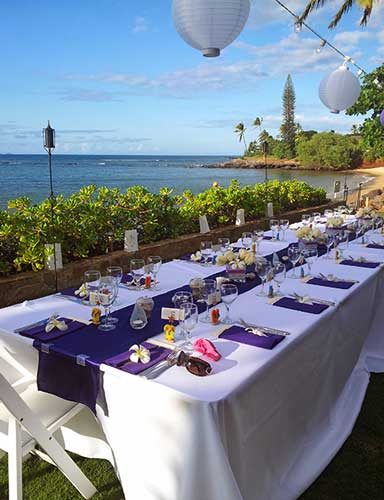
377, 173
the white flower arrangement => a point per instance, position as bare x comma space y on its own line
306, 233
335, 222
82, 291
366, 213
239, 262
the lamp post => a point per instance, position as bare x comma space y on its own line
49, 146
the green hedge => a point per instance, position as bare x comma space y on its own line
85, 221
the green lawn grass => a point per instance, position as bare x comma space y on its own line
356, 473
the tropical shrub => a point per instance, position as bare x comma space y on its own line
85, 222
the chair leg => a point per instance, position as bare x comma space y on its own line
15, 467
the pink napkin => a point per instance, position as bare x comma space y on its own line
205, 347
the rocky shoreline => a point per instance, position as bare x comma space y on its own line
247, 163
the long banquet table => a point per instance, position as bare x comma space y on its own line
266, 423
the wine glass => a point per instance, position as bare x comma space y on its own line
137, 268
246, 240
92, 281
316, 217
117, 274
342, 241
258, 236
154, 263
284, 225
306, 220
106, 296
263, 270
329, 242
206, 251
182, 298
207, 293
229, 293
224, 244
294, 254
190, 317
279, 275
328, 213
274, 226
310, 255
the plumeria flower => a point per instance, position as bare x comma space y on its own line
55, 323
82, 291
196, 257
140, 354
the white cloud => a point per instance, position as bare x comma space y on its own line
140, 25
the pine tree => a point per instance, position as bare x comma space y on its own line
288, 128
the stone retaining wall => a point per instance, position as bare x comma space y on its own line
28, 286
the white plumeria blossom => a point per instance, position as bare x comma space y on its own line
55, 323
82, 291
140, 354
306, 299
196, 257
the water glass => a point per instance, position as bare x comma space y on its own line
263, 269
154, 264
316, 217
294, 254
310, 255
274, 226
206, 251
137, 268
208, 292
92, 281
306, 219
117, 274
284, 225
190, 316
247, 240
279, 275
229, 293
224, 245
106, 296
182, 298
328, 213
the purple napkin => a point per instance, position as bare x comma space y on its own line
39, 333
70, 292
375, 246
369, 265
127, 278
157, 354
289, 303
343, 285
238, 334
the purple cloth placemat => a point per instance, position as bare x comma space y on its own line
354, 263
375, 246
157, 354
343, 285
70, 292
238, 334
289, 303
39, 333
127, 278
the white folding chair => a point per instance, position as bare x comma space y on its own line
30, 419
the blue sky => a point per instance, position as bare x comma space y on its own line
114, 77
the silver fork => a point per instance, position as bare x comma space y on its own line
313, 299
265, 329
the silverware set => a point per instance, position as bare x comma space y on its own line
262, 330
301, 298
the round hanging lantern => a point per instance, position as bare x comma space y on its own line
382, 118
210, 25
339, 90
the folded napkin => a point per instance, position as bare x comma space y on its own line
293, 304
157, 354
376, 246
355, 263
343, 285
39, 333
70, 292
127, 279
239, 334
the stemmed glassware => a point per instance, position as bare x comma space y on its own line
328, 213
116, 273
229, 293
279, 275
294, 254
306, 219
106, 296
341, 241
190, 316
154, 263
92, 281
206, 251
181, 298
316, 217
284, 226
137, 268
310, 255
246, 240
224, 245
207, 292
263, 270
329, 242
274, 226
258, 236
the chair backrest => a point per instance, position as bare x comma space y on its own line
18, 357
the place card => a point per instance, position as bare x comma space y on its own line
131, 243
168, 312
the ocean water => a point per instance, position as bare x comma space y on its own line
28, 175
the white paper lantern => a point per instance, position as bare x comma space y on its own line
210, 25
339, 90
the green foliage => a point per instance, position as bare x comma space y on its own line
329, 150
85, 221
371, 102
288, 127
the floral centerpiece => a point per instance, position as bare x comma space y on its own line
308, 236
366, 213
236, 265
335, 224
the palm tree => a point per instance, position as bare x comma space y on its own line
346, 6
240, 131
257, 122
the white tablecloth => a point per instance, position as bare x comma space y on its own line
265, 424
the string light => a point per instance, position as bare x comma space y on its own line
323, 42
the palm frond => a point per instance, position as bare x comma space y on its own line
346, 7
312, 5
366, 15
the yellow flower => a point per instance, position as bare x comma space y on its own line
221, 260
